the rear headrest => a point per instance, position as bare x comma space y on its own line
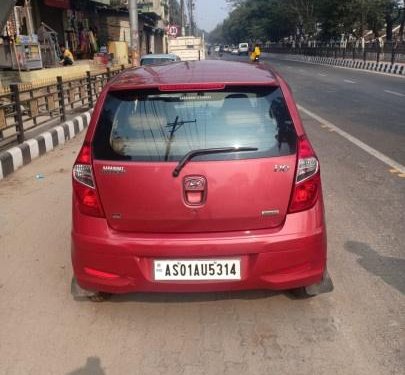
235, 102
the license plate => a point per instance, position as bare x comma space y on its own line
215, 269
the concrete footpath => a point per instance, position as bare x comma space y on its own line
382, 67
18, 156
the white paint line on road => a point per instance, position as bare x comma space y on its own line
88, 115
401, 76
34, 149
80, 122
395, 93
373, 152
322, 74
16, 153
61, 134
71, 129
348, 81
48, 141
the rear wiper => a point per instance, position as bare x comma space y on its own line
206, 151
176, 125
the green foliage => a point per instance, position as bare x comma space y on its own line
174, 12
274, 19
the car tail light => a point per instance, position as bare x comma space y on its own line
84, 186
307, 179
192, 87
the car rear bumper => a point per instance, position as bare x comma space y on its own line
288, 257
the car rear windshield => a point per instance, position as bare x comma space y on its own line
164, 126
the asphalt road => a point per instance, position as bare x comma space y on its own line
357, 329
368, 105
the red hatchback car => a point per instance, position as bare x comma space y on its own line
196, 177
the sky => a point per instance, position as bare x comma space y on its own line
210, 12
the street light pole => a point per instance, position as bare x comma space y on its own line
183, 29
133, 21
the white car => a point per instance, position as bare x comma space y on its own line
158, 58
243, 48
235, 51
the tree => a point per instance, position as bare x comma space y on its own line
392, 15
323, 19
174, 12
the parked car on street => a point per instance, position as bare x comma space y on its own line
197, 177
160, 58
235, 51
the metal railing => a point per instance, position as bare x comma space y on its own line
390, 52
26, 106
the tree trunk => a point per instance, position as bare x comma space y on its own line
401, 29
390, 26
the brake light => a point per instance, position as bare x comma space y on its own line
192, 87
83, 184
307, 179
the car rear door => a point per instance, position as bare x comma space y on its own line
141, 137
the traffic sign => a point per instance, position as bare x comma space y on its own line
173, 30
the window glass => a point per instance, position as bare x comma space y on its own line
154, 61
156, 126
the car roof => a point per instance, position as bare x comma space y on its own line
195, 72
159, 56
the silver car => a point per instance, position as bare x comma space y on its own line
161, 58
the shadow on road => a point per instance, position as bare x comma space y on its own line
193, 297
390, 269
92, 367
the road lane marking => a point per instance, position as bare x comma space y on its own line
34, 148
48, 141
80, 122
61, 134
71, 129
322, 74
370, 150
340, 67
17, 156
394, 93
348, 81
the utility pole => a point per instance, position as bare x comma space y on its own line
191, 15
133, 21
183, 29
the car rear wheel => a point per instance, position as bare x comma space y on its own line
324, 286
79, 293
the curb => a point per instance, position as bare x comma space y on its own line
18, 156
382, 67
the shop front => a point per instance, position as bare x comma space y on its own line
19, 45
